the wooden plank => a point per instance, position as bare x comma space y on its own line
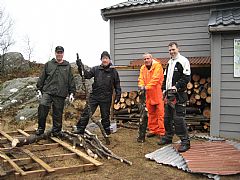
78, 152
10, 138
36, 147
14, 133
29, 153
13, 164
60, 170
23, 132
38, 160
58, 157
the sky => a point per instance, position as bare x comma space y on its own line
76, 25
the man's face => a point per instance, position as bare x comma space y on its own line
59, 55
105, 61
173, 51
147, 59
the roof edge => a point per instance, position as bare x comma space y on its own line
143, 9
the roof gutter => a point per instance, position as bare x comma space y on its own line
222, 28
168, 6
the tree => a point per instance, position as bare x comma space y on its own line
6, 25
29, 48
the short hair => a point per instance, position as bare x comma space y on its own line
148, 54
173, 43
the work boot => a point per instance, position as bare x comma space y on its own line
108, 131
164, 141
149, 135
39, 132
140, 139
184, 146
57, 134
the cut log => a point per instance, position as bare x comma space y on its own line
122, 100
193, 110
199, 103
189, 91
189, 85
208, 99
202, 81
128, 102
192, 99
197, 96
195, 77
125, 111
196, 90
116, 106
209, 90
124, 94
123, 105
209, 79
137, 100
196, 84
203, 94
133, 94
207, 112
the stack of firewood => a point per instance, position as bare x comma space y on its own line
199, 92
127, 108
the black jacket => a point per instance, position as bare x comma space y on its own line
56, 79
105, 80
180, 78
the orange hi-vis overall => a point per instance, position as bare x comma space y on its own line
152, 80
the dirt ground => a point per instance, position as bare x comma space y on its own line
123, 143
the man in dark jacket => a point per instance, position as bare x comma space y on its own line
54, 85
176, 77
106, 79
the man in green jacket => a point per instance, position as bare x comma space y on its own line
54, 85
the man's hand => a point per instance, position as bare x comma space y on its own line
39, 94
142, 88
174, 88
79, 64
71, 98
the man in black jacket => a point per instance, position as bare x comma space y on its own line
54, 85
106, 79
176, 77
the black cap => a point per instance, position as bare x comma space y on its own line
105, 53
59, 49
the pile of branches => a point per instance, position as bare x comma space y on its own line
89, 142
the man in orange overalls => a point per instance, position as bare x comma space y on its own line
151, 78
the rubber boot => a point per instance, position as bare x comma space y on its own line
42, 116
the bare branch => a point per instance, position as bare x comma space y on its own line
6, 25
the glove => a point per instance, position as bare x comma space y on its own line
164, 94
117, 99
174, 88
39, 94
142, 88
71, 98
79, 62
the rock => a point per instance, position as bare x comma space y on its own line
17, 92
26, 114
18, 96
13, 61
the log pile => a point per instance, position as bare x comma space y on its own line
199, 95
127, 108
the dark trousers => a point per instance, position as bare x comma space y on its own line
105, 112
176, 117
57, 104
